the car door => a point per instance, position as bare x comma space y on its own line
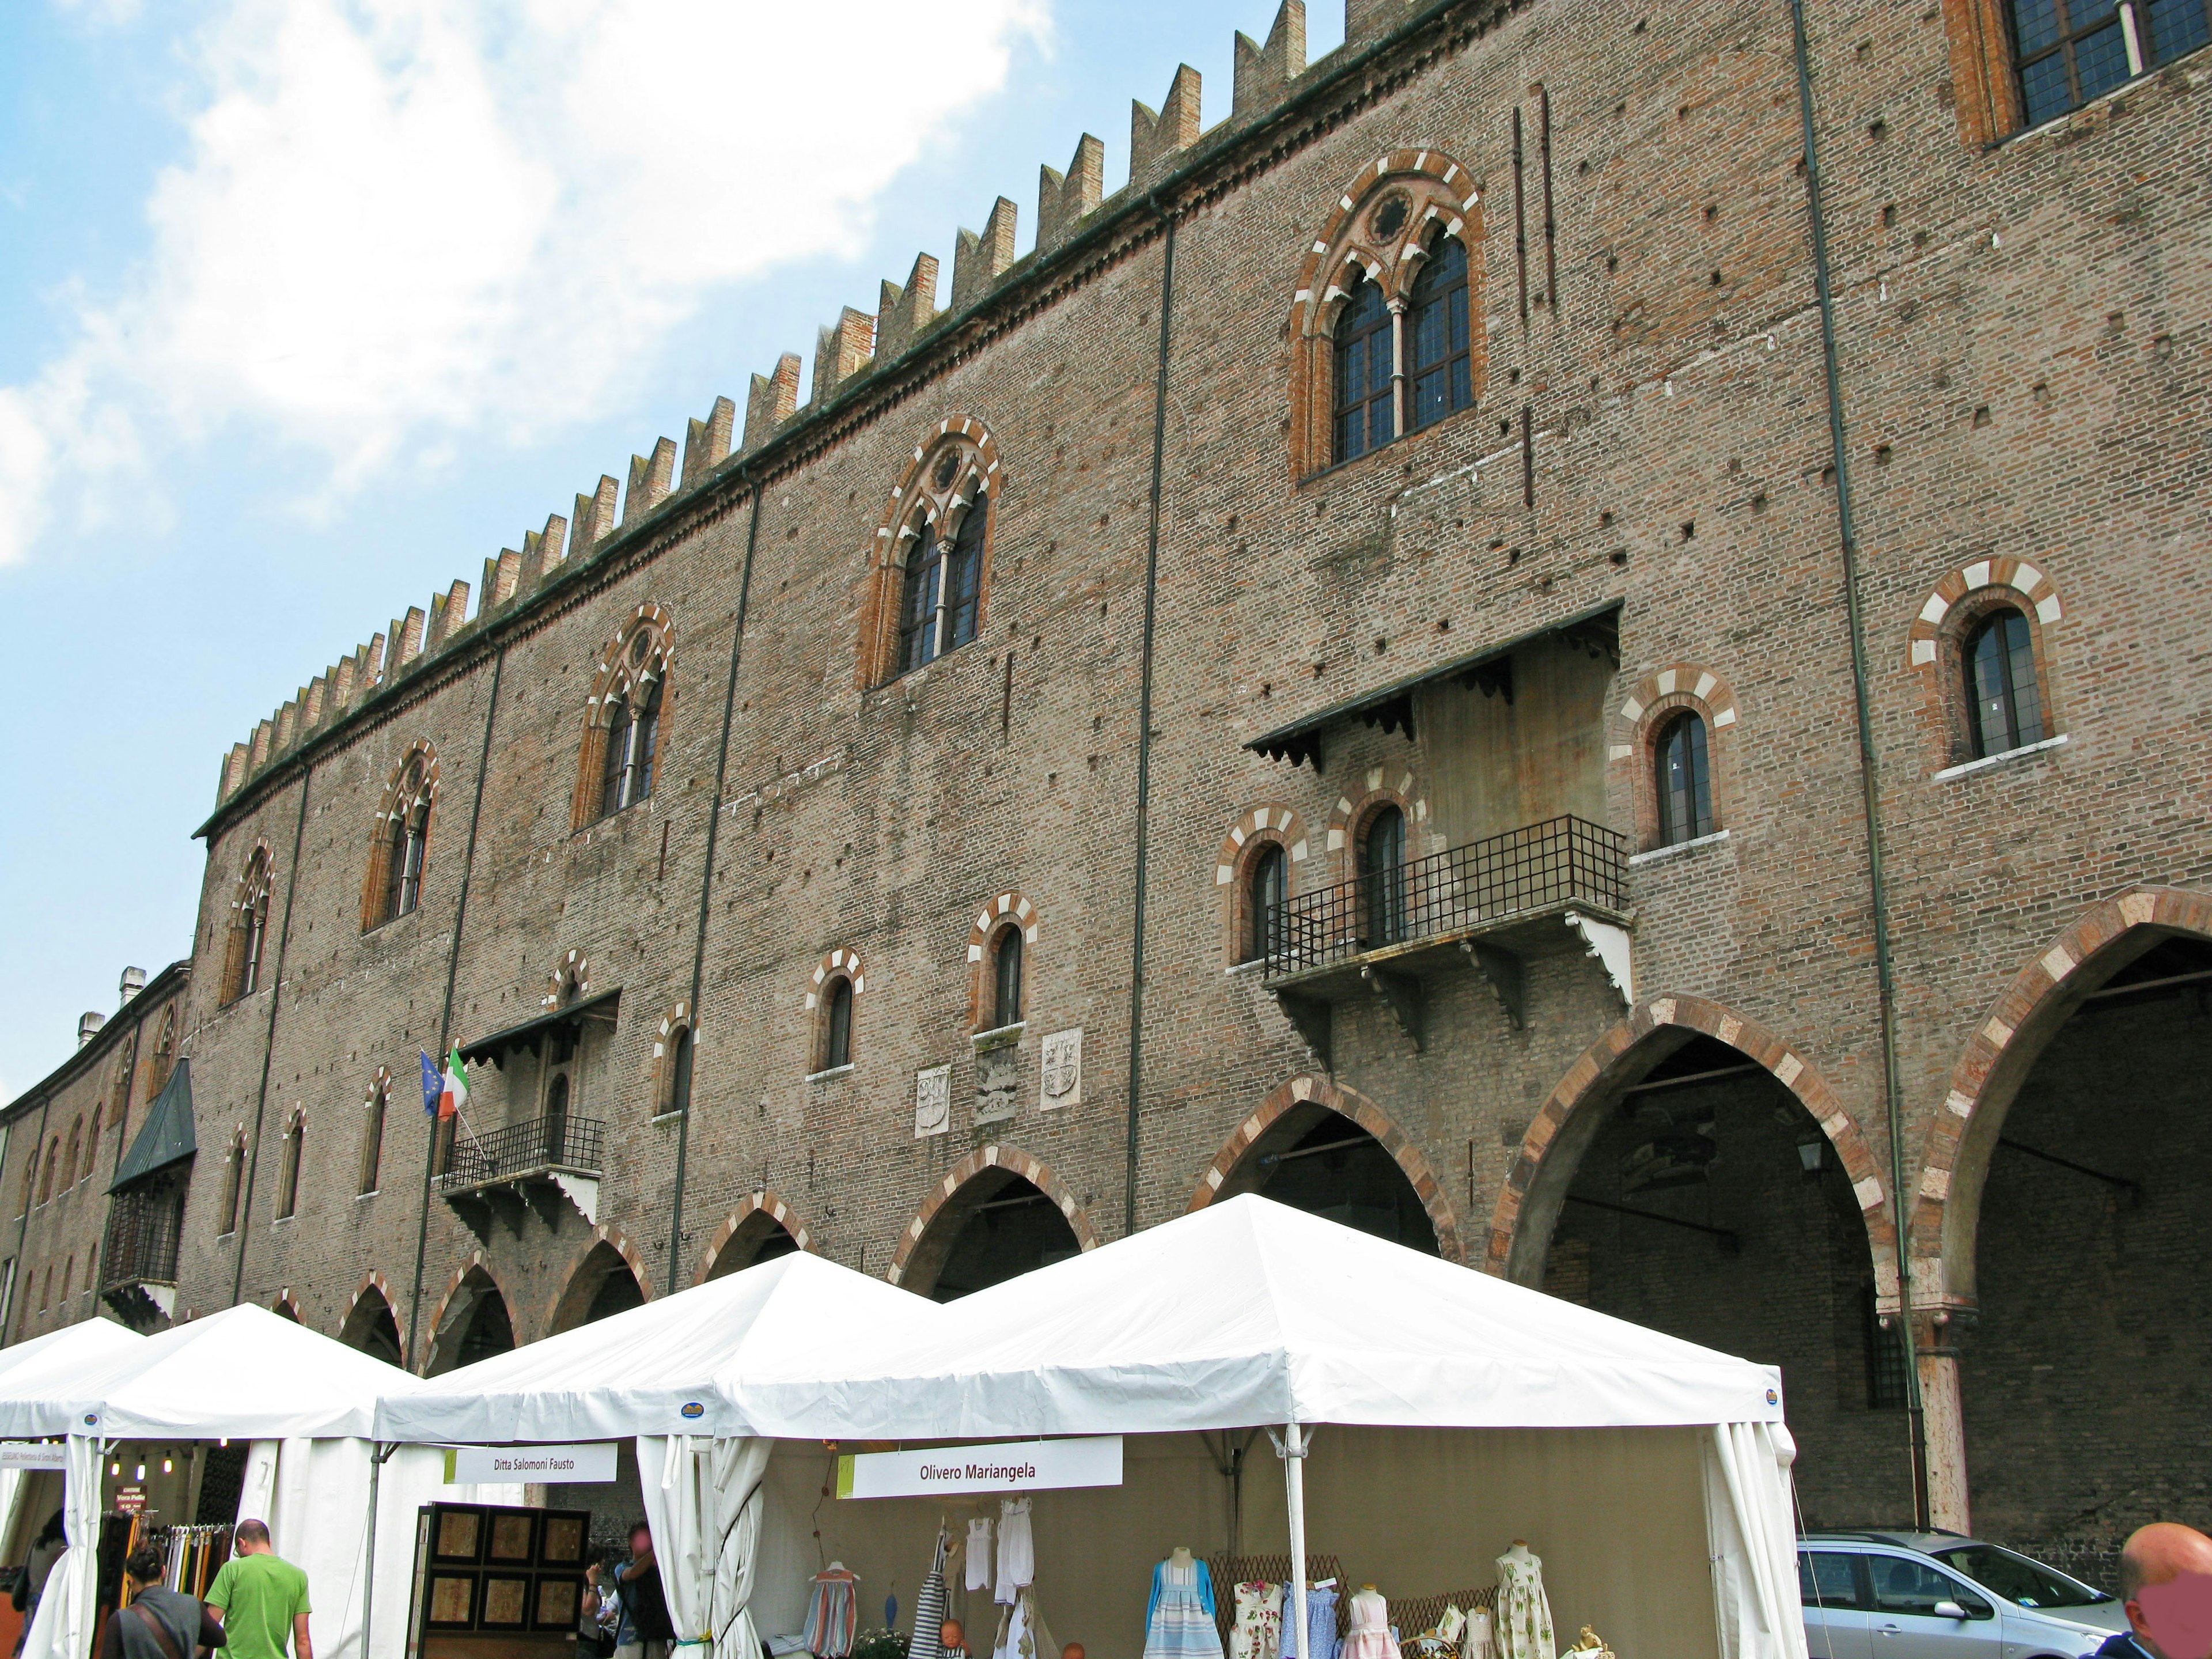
1835, 1621
1906, 1593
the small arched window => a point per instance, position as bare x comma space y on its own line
2006, 711
30, 1182
633, 737
165, 1052
679, 1071
1006, 978
288, 1174
1439, 368
92, 1145
233, 1183
69, 1157
837, 1025
1683, 779
942, 588
1267, 892
1382, 876
1365, 419
372, 1139
46, 1181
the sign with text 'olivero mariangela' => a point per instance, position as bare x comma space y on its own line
1016, 1466
558, 1465
32, 1454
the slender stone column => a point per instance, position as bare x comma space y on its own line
1943, 1418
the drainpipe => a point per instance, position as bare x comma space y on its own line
1869, 780
408, 1343
1144, 714
706, 874
269, 1039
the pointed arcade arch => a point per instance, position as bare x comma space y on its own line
761, 1228
471, 1322
1310, 1117
372, 1324
608, 1279
996, 1214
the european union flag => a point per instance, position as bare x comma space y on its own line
434, 1085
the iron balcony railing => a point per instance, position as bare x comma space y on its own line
560, 1141
143, 1230
1561, 860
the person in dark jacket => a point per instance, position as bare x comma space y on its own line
645, 1630
2166, 1580
159, 1624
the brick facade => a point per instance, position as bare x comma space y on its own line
1641, 508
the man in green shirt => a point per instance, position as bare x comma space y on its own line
260, 1600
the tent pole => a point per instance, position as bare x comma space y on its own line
1294, 1482
376, 1456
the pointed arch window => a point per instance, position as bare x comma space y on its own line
1006, 978
633, 739
1382, 874
165, 1052
681, 1055
372, 1138
1439, 364
287, 1173
69, 1157
408, 838
2001, 690
1365, 419
1683, 779
91, 1147
943, 588
233, 1182
249, 932
30, 1182
1266, 895
46, 1180
836, 1025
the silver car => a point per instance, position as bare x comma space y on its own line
1937, 1595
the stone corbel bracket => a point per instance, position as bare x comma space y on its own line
1608, 942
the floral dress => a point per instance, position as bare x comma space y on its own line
1258, 1633
1524, 1612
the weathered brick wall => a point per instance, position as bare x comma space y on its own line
2024, 374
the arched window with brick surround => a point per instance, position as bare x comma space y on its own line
1383, 878
931, 572
248, 940
234, 1184
164, 1053
371, 1133
30, 1182
1266, 900
620, 755
53, 1162
1385, 325
837, 1025
91, 1147
288, 1171
400, 844
832, 1000
2005, 709
1006, 976
1682, 780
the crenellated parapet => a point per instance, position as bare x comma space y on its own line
857, 346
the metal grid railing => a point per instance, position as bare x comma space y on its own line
142, 1231
563, 1140
1560, 860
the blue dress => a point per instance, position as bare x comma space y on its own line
1321, 1622
1179, 1617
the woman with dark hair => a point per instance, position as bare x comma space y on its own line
159, 1623
31, 1582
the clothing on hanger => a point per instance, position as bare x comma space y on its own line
833, 1612
1321, 1621
1179, 1616
1479, 1641
1524, 1612
1017, 1549
979, 1553
1021, 1632
1258, 1631
928, 1641
1369, 1636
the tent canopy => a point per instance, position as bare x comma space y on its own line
637, 1372
244, 1374
47, 1362
1249, 1312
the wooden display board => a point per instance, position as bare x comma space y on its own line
494, 1582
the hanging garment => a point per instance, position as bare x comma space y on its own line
1258, 1631
1369, 1634
1478, 1641
1021, 1632
1017, 1549
833, 1613
979, 1553
929, 1640
1179, 1617
1524, 1614
1321, 1621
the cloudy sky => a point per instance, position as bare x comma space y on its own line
310, 305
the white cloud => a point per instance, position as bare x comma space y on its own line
400, 219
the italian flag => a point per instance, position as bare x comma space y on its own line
456, 1094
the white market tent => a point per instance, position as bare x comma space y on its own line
305, 1403
43, 1362
1456, 1407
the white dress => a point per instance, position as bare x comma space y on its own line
1524, 1614
1017, 1549
979, 1553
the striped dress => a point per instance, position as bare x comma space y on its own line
1179, 1621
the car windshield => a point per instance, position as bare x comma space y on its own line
2028, 1583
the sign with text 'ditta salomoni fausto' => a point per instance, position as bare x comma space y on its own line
561, 1465
1016, 1466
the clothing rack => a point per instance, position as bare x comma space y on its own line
1230, 1571
193, 1555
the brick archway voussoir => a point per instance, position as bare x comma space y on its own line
759, 1200
1345, 1103
614, 1239
1755, 1043
1019, 1162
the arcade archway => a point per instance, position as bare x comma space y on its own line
474, 1324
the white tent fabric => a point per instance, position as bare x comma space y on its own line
86, 1345
241, 1374
703, 1499
1752, 1536
62, 1628
1249, 1312
669, 1367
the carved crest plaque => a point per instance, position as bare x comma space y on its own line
1062, 1071
933, 1102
